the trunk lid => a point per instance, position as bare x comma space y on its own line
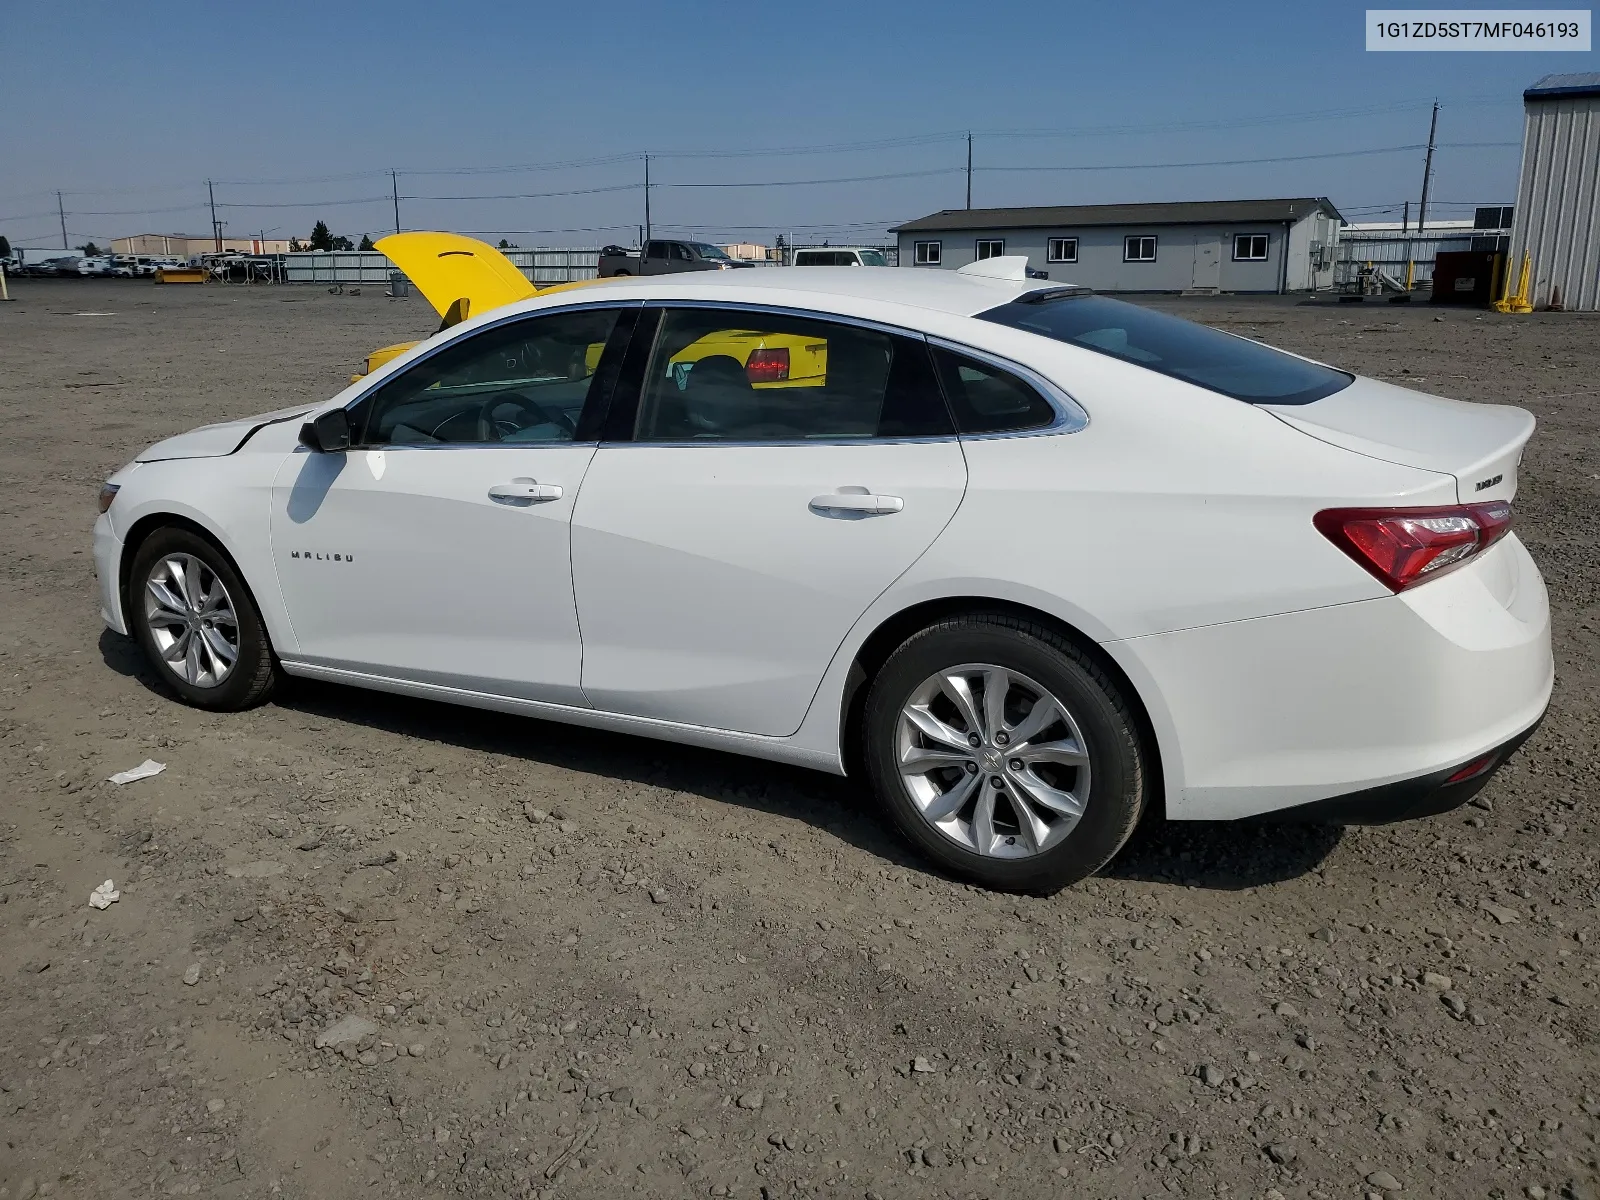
456, 273
1479, 444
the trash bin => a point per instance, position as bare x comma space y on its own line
399, 285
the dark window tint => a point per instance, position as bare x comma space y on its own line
526, 381
722, 375
986, 399
1221, 362
656, 250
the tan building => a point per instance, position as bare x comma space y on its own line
182, 245
750, 252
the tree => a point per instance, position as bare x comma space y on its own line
366, 242
504, 245
341, 243
294, 245
321, 239
5, 246
89, 249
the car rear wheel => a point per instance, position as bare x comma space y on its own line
198, 623
1005, 753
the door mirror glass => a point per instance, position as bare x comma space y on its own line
328, 433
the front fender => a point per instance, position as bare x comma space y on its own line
229, 499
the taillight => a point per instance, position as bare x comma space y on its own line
1407, 546
767, 366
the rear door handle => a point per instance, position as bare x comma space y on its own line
523, 492
855, 504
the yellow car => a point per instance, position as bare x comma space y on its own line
781, 360
462, 277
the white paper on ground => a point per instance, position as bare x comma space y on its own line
104, 896
144, 770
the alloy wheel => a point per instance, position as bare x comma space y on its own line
993, 760
192, 620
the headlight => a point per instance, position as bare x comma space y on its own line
108, 493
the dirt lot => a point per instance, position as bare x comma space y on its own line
604, 967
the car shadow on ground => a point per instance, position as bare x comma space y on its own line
1216, 855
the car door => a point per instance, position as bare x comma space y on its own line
437, 549
747, 507
657, 259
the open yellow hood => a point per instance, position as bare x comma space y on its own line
460, 276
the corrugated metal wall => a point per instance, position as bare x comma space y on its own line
543, 267
1558, 201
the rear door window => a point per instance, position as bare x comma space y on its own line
1209, 358
728, 375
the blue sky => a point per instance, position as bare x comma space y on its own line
299, 110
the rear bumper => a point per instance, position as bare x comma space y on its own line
1408, 799
1367, 705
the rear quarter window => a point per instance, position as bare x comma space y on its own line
1209, 358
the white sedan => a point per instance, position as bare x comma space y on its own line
1030, 560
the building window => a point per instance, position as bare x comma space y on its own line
1249, 247
991, 247
927, 254
1063, 250
1139, 248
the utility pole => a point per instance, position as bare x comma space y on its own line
62, 213
1405, 232
1427, 170
394, 184
969, 168
642, 245
216, 230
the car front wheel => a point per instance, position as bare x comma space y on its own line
1005, 753
198, 623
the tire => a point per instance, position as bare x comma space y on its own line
199, 679
1074, 726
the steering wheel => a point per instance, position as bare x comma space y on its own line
492, 430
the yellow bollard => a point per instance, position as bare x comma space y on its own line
1521, 302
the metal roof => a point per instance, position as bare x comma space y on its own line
1178, 212
1582, 83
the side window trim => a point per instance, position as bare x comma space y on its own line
623, 307
618, 431
1070, 415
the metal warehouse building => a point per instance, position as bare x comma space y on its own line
1197, 246
1558, 197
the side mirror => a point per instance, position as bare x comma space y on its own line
328, 433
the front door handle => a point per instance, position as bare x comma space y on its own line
522, 492
855, 503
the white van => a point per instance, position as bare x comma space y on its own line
838, 256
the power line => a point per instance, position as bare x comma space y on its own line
616, 187
814, 182
1241, 162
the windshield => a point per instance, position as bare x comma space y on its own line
1209, 358
715, 252
873, 258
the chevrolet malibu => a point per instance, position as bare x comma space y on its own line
1029, 560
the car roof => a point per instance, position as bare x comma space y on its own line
940, 291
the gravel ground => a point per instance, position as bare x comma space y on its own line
370, 946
